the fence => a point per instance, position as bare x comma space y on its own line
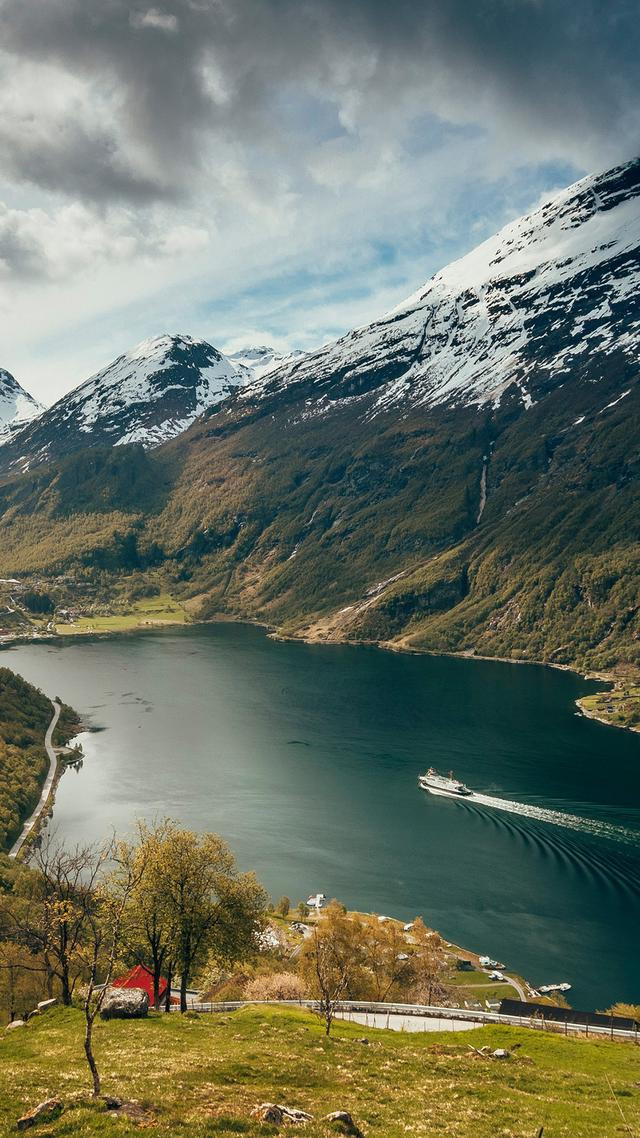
454, 1016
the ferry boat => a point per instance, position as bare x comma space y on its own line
443, 784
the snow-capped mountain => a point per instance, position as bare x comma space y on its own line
147, 396
17, 407
522, 310
264, 359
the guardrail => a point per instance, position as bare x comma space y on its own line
426, 1011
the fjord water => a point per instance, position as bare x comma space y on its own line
306, 759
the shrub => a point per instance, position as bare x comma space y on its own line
277, 986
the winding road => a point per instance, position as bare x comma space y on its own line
48, 783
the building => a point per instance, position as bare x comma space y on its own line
140, 977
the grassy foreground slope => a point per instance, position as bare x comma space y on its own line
202, 1077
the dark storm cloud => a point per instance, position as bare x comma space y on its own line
178, 74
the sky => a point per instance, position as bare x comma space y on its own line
278, 171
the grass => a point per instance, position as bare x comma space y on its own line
201, 1076
620, 707
150, 612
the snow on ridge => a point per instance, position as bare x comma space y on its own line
149, 394
17, 407
263, 359
481, 324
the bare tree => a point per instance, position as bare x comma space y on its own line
389, 966
106, 922
52, 916
331, 959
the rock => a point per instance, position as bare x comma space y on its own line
30, 1015
363, 1040
501, 1053
111, 1102
273, 1112
46, 1111
44, 1005
15, 1023
268, 1112
342, 1121
124, 1003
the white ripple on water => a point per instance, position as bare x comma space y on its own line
559, 818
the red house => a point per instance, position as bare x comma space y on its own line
141, 977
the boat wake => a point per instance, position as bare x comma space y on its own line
558, 818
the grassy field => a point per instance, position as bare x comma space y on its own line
620, 707
201, 1076
150, 612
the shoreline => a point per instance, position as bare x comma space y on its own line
47, 807
273, 633
31, 824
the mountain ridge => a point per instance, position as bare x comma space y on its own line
353, 494
147, 395
17, 406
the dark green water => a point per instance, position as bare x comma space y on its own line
306, 759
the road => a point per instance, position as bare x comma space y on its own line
518, 987
48, 783
395, 1022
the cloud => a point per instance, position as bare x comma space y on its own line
181, 77
53, 245
221, 165
153, 18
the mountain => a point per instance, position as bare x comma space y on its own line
17, 407
461, 475
262, 360
146, 396
525, 307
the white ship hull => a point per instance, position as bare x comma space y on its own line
447, 793
445, 787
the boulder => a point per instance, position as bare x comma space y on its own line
15, 1023
273, 1112
124, 1003
501, 1053
44, 1005
46, 1111
343, 1123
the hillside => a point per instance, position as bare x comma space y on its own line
461, 475
24, 717
202, 1076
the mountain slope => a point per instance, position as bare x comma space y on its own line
462, 474
17, 407
146, 396
520, 310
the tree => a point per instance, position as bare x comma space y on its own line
303, 910
106, 919
386, 959
283, 906
429, 964
212, 908
21, 979
331, 958
148, 930
52, 914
